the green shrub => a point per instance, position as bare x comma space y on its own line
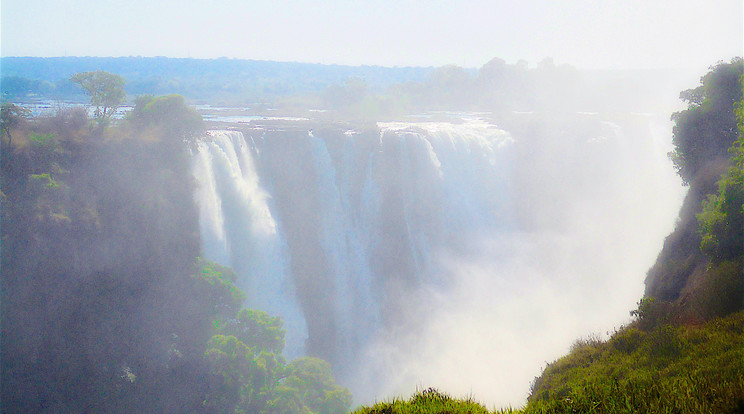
428, 401
44, 142
663, 344
722, 216
627, 340
651, 313
721, 292
218, 282
44, 181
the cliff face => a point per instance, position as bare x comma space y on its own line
681, 260
99, 236
704, 138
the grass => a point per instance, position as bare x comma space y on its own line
667, 369
428, 401
664, 369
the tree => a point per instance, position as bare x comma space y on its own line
167, 116
252, 377
12, 116
450, 86
342, 96
257, 328
705, 130
106, 91
722, 217
217, 285
309, 387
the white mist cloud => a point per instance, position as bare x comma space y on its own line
525, 296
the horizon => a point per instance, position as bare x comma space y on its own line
585, 35
530, 64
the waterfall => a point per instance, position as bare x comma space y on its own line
331, 229
239, 230
439, 254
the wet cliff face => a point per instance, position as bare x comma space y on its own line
373, 243
680, 263
96, 279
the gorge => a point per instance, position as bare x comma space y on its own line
405, 252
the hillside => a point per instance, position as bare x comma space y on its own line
679, 369
703, 138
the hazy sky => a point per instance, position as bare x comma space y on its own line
584, 33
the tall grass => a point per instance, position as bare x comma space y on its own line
667, 369
426, 401
664, 369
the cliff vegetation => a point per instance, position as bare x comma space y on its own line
106, 303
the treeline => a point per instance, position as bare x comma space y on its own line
106, 306
214, 81
354, 93
500, 87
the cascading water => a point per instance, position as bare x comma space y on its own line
380, 247
331, 228
239, 230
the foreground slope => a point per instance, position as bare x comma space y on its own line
679, 369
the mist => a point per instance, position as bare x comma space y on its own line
452, 254
518, 299
458, 222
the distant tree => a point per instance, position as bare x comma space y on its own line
252, 376
232, 361
19, 87
217, 285
167, 116
450, 87
546, 64
248, 374
12, 116
106, 91
341, 96
450, 77
522, 65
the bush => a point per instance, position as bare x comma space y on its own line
591, 341
627, 340
166, 117
721, 292
651, 313
427, 401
